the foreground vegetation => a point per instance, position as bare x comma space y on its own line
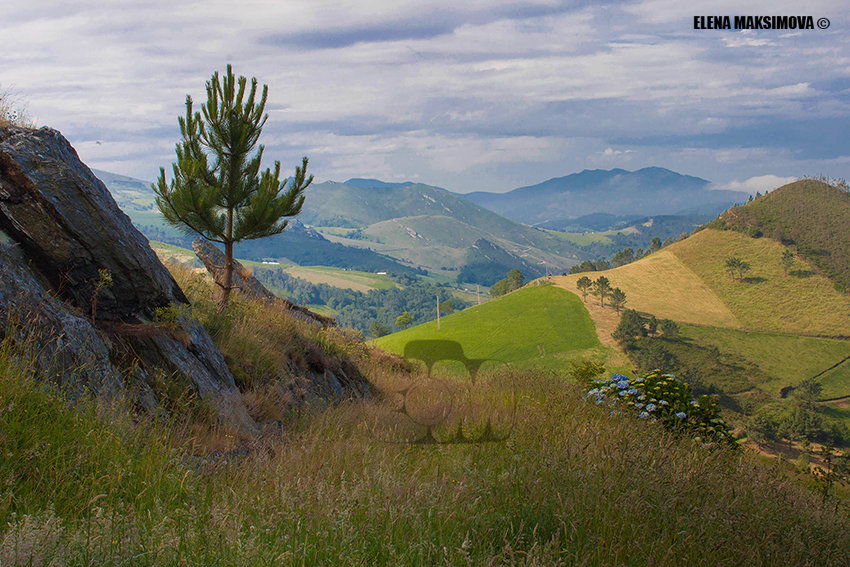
92, 484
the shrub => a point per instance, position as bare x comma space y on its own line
663, 398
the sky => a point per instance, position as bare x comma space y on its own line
476, 95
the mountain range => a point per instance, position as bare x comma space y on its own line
372, 225
648, 191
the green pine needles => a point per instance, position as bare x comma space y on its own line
218, 190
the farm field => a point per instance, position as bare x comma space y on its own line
337, 277
663, 285
788, 359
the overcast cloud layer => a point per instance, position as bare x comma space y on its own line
474, 95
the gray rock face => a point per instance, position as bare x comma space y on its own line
63, 227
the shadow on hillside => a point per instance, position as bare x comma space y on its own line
754, 280
801, 273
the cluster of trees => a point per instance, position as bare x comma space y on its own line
621, 258
514, 281
602, 289
590, 266
633, 324
375, 312
735, 266
797, 421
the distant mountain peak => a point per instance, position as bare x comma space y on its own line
364, 183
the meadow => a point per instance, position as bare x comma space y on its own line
541, 326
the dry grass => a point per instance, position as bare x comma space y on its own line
687, 282
767, 300
663, 285
572, 484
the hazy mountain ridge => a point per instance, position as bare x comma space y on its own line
647, 191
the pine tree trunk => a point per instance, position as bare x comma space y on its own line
227, 284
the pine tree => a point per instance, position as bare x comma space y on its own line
218, 190
602, 289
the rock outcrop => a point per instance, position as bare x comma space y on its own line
63, 233
245, 282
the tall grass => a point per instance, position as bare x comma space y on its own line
572, 485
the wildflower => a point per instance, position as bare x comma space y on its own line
632, 391
663, 403
639, 405
623, 384
650, 407
643, 415
681, 415
695, 403
642, 397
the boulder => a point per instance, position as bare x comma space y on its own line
63, 232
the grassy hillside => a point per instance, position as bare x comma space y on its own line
663, 285
574, 484
533, 325
787, 359
428, 226
687, 282
801, 302
813, 216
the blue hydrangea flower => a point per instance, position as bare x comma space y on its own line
639, 405
643, 415
623, 384
632, 391
618, 377
664, 403
695, 403
650, 407
592, 392
642, 397
681, 415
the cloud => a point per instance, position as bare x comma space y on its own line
760, 183
466, 95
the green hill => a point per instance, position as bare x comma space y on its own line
428, 226
535, 325
809, 214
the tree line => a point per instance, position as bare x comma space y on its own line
371, 312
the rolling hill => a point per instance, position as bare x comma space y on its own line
533, 326
427, 226
687, 282
648, 191
810, 215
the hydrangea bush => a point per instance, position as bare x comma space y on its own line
663, 398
